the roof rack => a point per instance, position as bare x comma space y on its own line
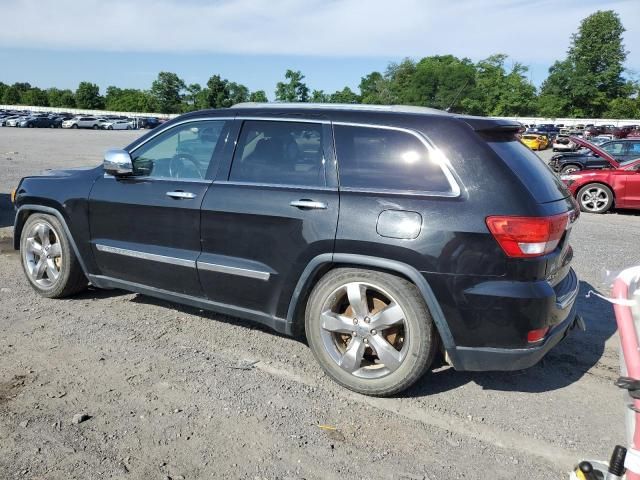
343, 106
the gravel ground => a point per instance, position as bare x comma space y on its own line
175, 392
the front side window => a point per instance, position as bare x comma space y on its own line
380, 158
183, 152
279, 153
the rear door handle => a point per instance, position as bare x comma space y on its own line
179, 195
308, 204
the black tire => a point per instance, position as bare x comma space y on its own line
95, 127
109, 127
418, 332
30, 125
567, 169
71, 279
593, 206
75, 125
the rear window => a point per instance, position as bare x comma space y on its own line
542, 183
387, 159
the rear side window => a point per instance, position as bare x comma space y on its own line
538, 178
279, 153
381, 158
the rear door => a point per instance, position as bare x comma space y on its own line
268, 213
145, 228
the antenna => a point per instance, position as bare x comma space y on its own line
448, 109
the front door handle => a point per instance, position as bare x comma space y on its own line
180, 195
308, 204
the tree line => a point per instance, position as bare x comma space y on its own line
588, 82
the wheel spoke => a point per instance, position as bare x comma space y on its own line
337, 323
33, 246
388, 355
43, 234
55, 250
52, 271
357, 294
389, 316
352, 358
39, 269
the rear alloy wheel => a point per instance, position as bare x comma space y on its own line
47, 258
569, 169
595, 198
95, 127
370, 331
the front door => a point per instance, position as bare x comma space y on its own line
268, 213
145, 228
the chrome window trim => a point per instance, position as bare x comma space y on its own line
243, 272
181, 262
159, 179
444, 163
275, 185
283, 119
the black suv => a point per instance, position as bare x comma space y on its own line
621, 150
385, 235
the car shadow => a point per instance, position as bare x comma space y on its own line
565, 364
7, 213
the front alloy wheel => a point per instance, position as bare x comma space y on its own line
42, 255
48, 260
370, 331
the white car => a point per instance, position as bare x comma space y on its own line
562, 143
116, 125
83, 122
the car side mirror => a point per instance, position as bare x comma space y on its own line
117, 163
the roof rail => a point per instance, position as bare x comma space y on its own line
343, 106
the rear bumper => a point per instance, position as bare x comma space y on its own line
507, 359
555, 308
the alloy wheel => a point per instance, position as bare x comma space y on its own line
594, 199
43, 255
364, 330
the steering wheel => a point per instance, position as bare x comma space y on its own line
177, 166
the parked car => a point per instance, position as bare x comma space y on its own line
36, 122
535, 141
597, 191
83, 122
562, 143
620, 150
116, 125
15, 121
600, 139
9, 121
347, 225
148, 122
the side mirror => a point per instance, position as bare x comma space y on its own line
117, 162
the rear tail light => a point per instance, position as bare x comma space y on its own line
524, 237
534, 336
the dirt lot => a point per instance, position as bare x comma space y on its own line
174, 392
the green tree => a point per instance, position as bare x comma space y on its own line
590, 77
195, 98
61, 98
88, 96
259, 96
167, 92
3, 88
238, 93
293, 90
318, 96
128, 100
218, 92
35, 96
346, 95
375, 89
623, 108
11, 96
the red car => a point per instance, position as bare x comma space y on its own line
598, 190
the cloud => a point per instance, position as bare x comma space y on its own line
529, 31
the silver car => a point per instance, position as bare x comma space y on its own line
83, 122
